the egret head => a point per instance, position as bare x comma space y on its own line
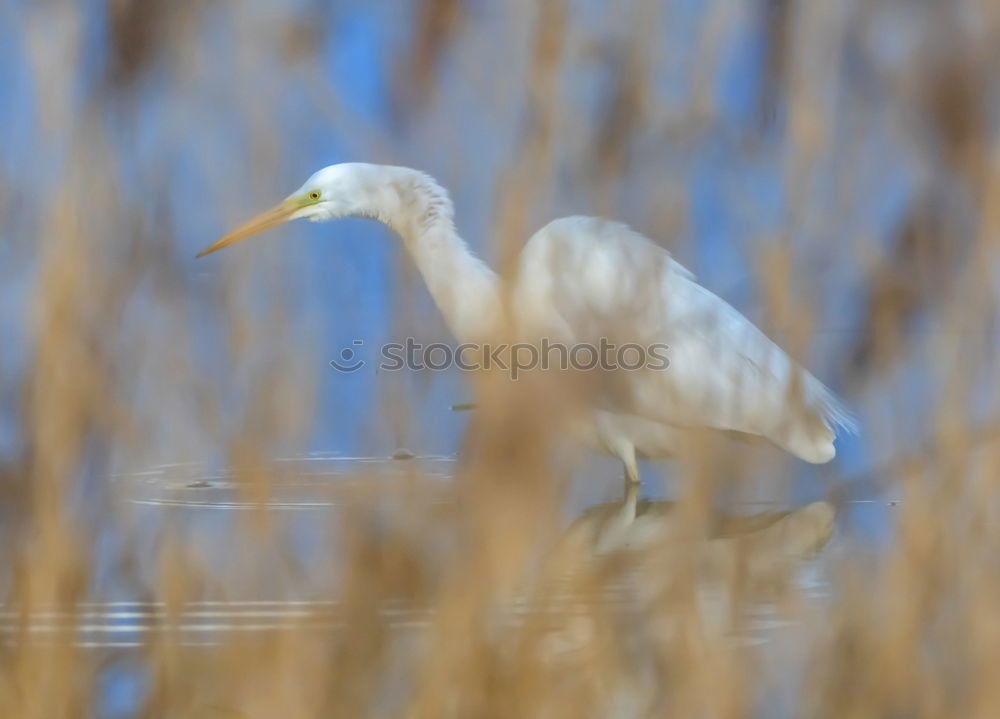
335, 191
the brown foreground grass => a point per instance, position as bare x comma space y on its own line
119, 354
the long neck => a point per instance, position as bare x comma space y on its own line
464, 288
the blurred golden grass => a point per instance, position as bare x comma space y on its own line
113, 378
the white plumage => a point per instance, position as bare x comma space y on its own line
581, 279
588, 278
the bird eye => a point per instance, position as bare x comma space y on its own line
314, 195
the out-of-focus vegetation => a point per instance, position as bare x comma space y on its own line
832, 168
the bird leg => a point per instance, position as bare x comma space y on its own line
631, 496
614, 534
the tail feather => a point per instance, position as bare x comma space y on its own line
832, 411
811, 437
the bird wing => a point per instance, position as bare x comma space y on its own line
584, 279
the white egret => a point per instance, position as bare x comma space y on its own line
580, 279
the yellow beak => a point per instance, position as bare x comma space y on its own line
264, 221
